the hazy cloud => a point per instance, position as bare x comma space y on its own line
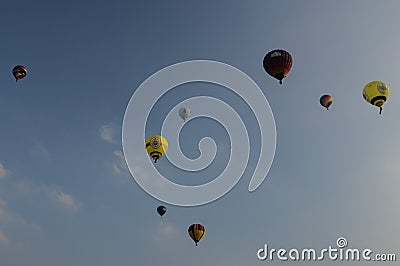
39, 151
3, 239
165, 231
8, 217
65, 200
54, 193
119, 165
25, 187
3, 171
107, 133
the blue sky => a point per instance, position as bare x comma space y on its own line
66, 197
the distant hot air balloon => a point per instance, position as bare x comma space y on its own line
376, 93
19, 72
161, 210
278, 63
326, 101
184, 113
156, 147
196, 232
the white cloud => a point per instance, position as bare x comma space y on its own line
56, 194
3, 171
168, 229
107, 133
119, 165
3, 239
66, 200
116, 168
165, 231
61, 198
119, 155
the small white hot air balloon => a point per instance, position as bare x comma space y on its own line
184, 113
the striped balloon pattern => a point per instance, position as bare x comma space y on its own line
196, 232
326, 101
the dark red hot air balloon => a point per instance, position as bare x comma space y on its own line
19, 72
278, 63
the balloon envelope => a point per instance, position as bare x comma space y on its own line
19, 72
156, 147
326, 101
278, 63
184, 113
376, 93
161, 210
196, 232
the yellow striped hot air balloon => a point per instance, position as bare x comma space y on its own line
156, 147
196, 232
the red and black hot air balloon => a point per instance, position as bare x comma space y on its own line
278, 63
19, 72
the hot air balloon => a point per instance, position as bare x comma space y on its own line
278, 63
376, 93
161, 210
184, 113
196, 232
326, 101
19, 72
156, 147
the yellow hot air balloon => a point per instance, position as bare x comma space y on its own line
196, 232
156, 146
376, 93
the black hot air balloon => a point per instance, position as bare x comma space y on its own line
161, 210
278, 63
